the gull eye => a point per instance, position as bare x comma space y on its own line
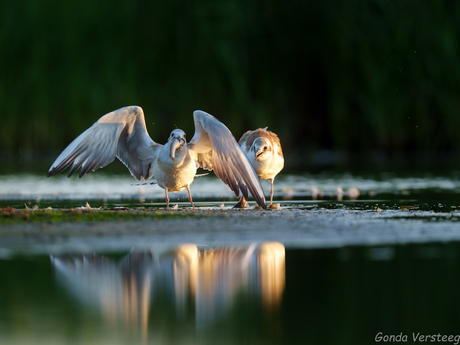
265, 148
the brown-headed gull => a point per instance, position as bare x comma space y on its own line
122, 133
263, 149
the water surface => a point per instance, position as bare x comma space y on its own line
253, 292
329, 190
257, 294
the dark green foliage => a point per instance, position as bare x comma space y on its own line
322, 74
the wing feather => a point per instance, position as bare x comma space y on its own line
215, 148
121, 133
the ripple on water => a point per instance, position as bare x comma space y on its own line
291, 190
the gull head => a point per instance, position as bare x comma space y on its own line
262, 149
177, 140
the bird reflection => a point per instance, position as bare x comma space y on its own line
209, 278
121, 290
270, 259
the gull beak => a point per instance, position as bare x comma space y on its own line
175, 144
259, 152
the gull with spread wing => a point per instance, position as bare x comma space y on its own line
123, 134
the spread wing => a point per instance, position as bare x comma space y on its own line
216, 149
122, 134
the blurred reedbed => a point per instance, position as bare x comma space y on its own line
323, 75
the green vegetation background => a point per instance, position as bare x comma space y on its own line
347, 75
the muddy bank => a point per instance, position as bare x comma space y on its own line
293, 227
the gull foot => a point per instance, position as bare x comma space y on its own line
275, 207
241, 204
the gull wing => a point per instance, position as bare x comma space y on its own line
120, 133
216, 149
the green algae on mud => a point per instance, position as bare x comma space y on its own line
10, 215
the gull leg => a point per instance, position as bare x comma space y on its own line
190, 198
242, 203
271, 195
167, 199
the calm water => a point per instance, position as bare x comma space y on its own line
262, 293
258, 294
329, 190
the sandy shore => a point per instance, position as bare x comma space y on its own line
293, 227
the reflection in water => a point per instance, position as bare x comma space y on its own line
120, 290
271, 273
209, 278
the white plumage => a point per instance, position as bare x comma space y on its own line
123, 134
263, 149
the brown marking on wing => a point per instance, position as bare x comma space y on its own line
250, 136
